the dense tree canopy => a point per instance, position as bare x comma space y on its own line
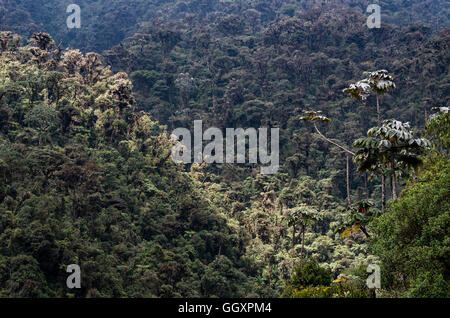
86, 175
86, 179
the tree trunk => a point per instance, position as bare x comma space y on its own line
364, 230
383, 193
394, 186
348, 154
383, 177
378, 111
349, 200
393, 179
303, 242
366, 185
293, 236
391, 186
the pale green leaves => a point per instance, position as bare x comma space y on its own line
315, 116
302, 215
391, 145
378, 82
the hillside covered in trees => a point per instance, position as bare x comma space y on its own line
106, 23
86, 175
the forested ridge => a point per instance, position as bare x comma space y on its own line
106, 23
85, 150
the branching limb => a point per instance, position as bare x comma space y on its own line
332, 142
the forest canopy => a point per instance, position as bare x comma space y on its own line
86, 169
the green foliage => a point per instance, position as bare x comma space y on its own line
86, 179
359, 217
302, 215
315, 116
391, 148
378, 82
438, 128
104, 23
352, 284
412, 239
308, 273
85, 169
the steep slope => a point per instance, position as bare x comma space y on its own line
86, 179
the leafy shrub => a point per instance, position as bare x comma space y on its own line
307, 273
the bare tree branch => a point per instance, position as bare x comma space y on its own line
332, 142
